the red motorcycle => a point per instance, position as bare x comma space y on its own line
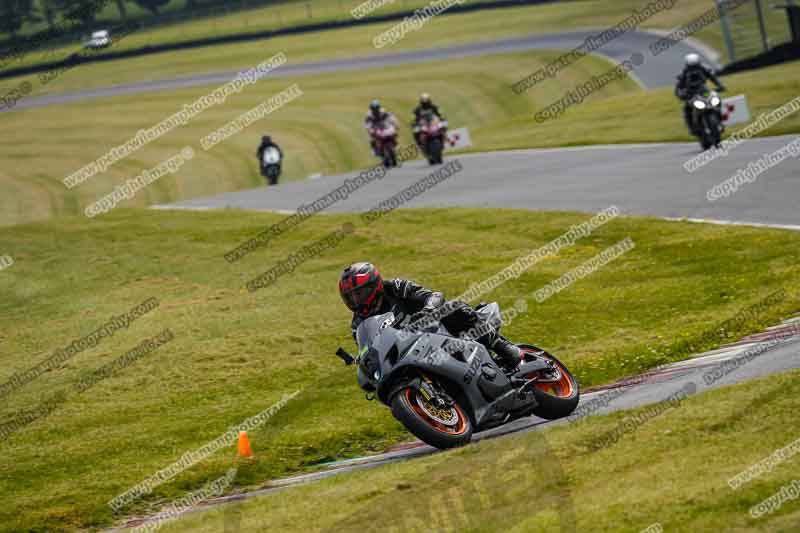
432, 135
385, 138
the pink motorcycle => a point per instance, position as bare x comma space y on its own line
432, 136
385, 137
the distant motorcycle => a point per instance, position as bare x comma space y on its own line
707, 118
271, 164
443, 389
432, 135
385, 137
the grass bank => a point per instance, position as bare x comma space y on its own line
644, 116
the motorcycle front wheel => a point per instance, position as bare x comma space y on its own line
435, 149
714, 128
389, 157
271, 173
441, 427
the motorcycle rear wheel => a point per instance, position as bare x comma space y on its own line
556, 399
425, 421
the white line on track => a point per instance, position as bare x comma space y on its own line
571, 149
791, 227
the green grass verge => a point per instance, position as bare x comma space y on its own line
443, 30
236, 353
672, 471
322, 131
643, 116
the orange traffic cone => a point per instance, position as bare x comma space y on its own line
244, 445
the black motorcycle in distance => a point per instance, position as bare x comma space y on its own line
707, 118
271, 164
442, 389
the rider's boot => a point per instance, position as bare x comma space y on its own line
509, 354
418, 140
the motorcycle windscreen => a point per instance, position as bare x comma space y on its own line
490, 314
371, 327
271, 156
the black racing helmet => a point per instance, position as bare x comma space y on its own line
361, 288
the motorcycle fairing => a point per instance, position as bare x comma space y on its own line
391, 354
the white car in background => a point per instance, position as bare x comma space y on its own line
98, 39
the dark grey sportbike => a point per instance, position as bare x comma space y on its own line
442, 389
707, 118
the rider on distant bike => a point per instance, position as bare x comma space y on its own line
376, 117
691, 82
425, 105
266, 142
363, 291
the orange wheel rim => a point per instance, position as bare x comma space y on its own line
459, 428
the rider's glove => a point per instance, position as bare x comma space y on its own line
423, 319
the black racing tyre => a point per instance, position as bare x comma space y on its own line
416, 415
557, 399
709, 135
389, 157
436, 149
714, 128
272, 173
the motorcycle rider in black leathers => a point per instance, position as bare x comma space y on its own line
425, 105
377, 115
266, 142
691, 82
364, 292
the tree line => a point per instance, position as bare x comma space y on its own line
14, 14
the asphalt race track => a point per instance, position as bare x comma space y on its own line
638, 179
656, 71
